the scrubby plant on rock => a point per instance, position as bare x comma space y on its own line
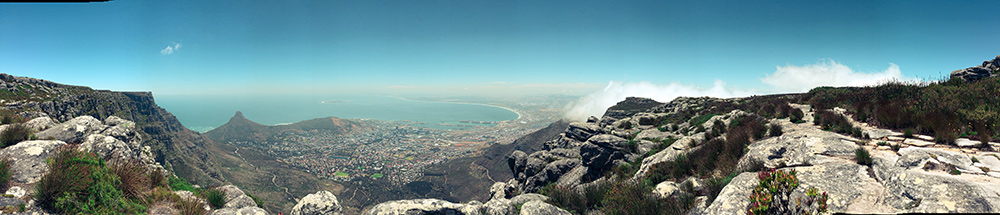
5, 172
773, 195
216, 198
15, 133
862, 156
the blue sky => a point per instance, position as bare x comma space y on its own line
447, 46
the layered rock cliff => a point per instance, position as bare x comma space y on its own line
177, 148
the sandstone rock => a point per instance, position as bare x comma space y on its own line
16, 191
582, 131
236, 198
527, 197
499, 207
115, 121
322, 202
666, 189
989, 68
29, 159
541, 208
734, 197
966, 142
916, 157
550, 174
73, 131
423, 206
40, 123
252, 211
599, 159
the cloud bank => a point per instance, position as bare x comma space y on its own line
792, 78
785, 79
170, 49
596, 103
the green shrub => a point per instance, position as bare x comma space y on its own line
974, 159
796, 116
565, 197
699, 120
178, 184
134, 177
862, 157
5, 172
908, 133
632, 198
774, 130
216, 198
856, 133
895, 147
79, 183
772, 195
7, 117
190, 207
882, 143
15, 133
595, 193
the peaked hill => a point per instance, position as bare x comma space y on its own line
241, 129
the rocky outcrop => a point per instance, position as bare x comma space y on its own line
29, 159
237, 202
170, 143
322, 202
989, 68
540, 207
425, 206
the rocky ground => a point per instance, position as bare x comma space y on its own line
114, 139
916, 178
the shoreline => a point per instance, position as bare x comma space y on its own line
519, 116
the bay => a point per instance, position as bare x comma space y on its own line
204, 112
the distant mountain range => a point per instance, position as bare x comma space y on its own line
241, 129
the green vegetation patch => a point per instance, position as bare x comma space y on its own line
377, 175
341, 174
80, 183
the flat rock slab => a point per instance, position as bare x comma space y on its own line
917, 142
966, 142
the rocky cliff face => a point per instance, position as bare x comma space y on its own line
177, 148
989, 68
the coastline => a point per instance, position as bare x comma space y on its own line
519, 116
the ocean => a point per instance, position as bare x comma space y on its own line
204, 112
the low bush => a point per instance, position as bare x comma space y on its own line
862, 156
908, 133
5, 172
134, 177
15, 133
565, 197
796, 116
7, 117
79, 183
895, 147
190, 207
215, 197
772, 195
632, 198
774, 130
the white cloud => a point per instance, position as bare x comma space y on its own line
596, 103
170, 49
792, 78
788, 78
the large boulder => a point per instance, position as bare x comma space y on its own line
322, 202
236, 198
40, 123
425, 206
74, 130
550, 174
29, 159
582, 131
541, 208
989, 68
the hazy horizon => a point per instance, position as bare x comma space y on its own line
601, 51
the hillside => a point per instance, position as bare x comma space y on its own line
891, 148
241, 129
179, 150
